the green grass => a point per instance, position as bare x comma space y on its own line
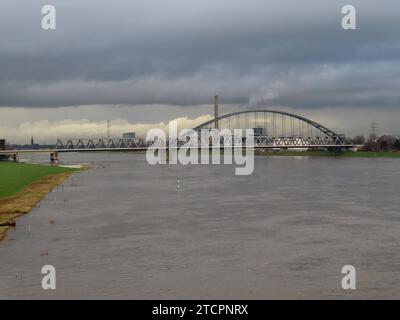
369, 154
14, 177
349, 154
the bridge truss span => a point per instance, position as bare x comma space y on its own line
279, 129
101, 143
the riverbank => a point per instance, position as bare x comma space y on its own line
349, 154
22, 186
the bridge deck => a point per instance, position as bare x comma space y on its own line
17, 151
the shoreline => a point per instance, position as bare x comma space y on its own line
24, 201
332, 154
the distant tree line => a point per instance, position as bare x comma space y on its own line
382, 143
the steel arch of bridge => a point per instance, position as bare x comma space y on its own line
326, 138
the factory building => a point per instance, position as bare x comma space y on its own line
260, 132
129, 135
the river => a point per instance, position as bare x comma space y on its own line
125, 229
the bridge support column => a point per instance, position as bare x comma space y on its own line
54, 157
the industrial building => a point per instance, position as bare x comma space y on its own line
129, 135
260, 132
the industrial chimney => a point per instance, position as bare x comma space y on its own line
216, 112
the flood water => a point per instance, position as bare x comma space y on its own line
125, 229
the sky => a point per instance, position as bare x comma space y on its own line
142, 63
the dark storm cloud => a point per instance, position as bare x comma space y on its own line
181, 52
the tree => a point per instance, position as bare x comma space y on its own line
383, 145
359, 140
396, 145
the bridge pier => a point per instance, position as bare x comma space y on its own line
54, 157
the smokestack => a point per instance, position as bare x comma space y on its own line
216, 112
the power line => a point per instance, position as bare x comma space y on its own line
373, 131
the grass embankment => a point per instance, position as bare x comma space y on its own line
349, 154
22, 186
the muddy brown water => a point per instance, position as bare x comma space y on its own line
124, 229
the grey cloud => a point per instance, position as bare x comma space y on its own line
181, 52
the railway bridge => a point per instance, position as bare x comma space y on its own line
272, 130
